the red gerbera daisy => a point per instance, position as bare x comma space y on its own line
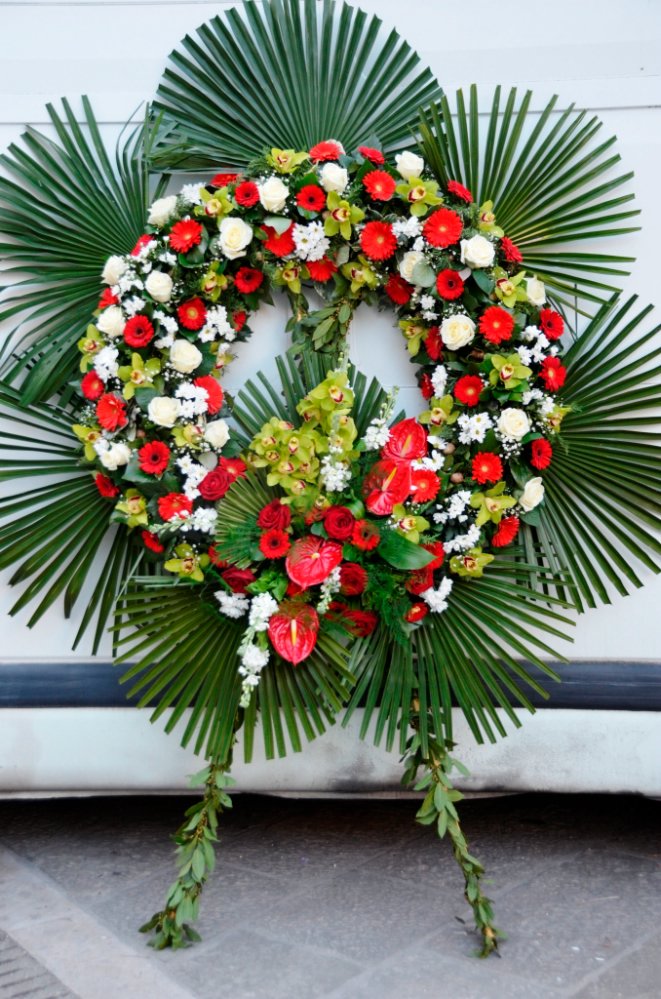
214, 391
153, 457
234, 467
416, 612
92, 387
425, 485
373, 155
192, 314
106, 486
486, 467
378, 241
279, 244
246, 194
321, 270
426, 386
138, 331
541, 453
274, 543
449, 284
511, 251
142, 241
330, 149
434, 344
506, 532
496, 324
553, 373
552, 323
365, 536
174, 505
459, 191
311, 198
398, 290
379, 185
107, 299
239, 320
151, 541
468, 389
185, 235
223, 179
442, 228
248, 279
111, 412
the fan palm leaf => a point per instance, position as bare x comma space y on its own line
552, 182
287, 74
66, 204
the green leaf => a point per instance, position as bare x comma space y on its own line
401, 553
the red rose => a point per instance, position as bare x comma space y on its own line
214, 392
365, 535
142, 241
215, 484
279, 244
486, 467
174, 505
275, 515
274, 543
185, 235
248, 279
378, 241
321, 270
506, 532
373, 155
398, 290
106, 486
92, 387
449, 284
246, 194
511, 251
238, 580
153, 457
353, 579
420, 580
151, 541
192, 314
223, 179
111, 412
434, 344
496, 324
327, 150
553, 373
552, 323
138, 331
468, 389
311, 198
459, 191
541, 453
442, 228
107, 298
416, 612
339, 523
379, 185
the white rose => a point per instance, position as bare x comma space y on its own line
234, 236
513, 423
409, 165
333, 178
116, 455
159, 286
457, 331
217, 433
162, 210
532, 495
163, 410
535, 291
272, 194
409, 263
184, 356
478, 251
113, 270
111, 321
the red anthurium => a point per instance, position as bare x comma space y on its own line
407, 441
311, 560
388, 483
293, 631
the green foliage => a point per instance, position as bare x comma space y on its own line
307, 72
552, 183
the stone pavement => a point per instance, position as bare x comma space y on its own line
334, 899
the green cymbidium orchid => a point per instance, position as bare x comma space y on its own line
420, 194
471, 564
188, 563
492, 504
139, 374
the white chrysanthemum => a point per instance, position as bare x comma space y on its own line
203, 519
262, 607
530, 333
463, 542
473, 428
439, 380
218, 320
233, 605
133, 305
191, 194
310, 240
194, 399
105, 363
437, 600
407, 228
524, 354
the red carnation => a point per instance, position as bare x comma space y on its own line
511, 251
279, 244
436, 549
553, 373
293, 631
378, 241
468, 389
365, 535
442, 228
151, 541
311, 560
239, 320
360, 623
426, 387
373, 155
541, 453
138, 331
416, 612
248, 279
459, 191
142, 241
420, 580
223, 179
153, 457
398, 290
238, 580
496, 324
339, 523
106, 486
274, 515
235, 467
407, 441
506, 532
107, 299
311, 198
434, 343
215, 484
379, 185
214, 391
111, 412
92, 386
486, 467
246, 194
274, 543
185, 235
449, 284
321, 270
327, 150
552, 323
192, 314
425, 485
174, 505
353, 579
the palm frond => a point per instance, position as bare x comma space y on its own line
53, 534
66, 205
287, 74
603, 489
552, 181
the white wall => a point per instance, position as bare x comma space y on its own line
601, 54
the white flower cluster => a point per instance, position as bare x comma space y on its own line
262, 608
456, 507
439, 380
473, 428
463, 542
194, 473
407, 229
437, 599
203, 519
105, 363
328, 588
233, 605
335, 475
310, 240
217, 326
193, 400
253, 660
376, 435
